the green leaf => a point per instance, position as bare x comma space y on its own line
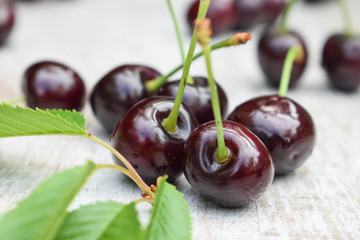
18, 121
101, 221
125, 226
41, 214
170, 218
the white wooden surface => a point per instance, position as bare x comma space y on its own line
321, 200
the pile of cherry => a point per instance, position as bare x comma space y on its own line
341, 52
264, 136
284, 127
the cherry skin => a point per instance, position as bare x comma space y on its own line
341, 61
222, 14
141, 138
118, 91
53, 85
247, 13
270, 10
317, 1
7, 19
242, 178
285, 127
272, 50
197, 97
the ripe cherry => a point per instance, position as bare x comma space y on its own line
272, 50
7, 19
341, 56
247, 13
224, 161
142, 139
197, 97
285, 128
270, 10
274, 44
53, 85
118, 91
246, 174
221, 12
317, 1
341, 61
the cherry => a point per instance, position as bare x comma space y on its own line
272, 50
142, 139
247, 13
270, 10
341, 61
49, 84
153, 132
197, 97
7, 19
246, 174
118, 91
341, 56
224, 161
273, 46
221, 12
317, 1
285, 127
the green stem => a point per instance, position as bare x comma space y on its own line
296, 53
16, 100
140, 200
130, 171
178, 36
222, 153
347, 19
125, 171
170, 123
283, 27
177, 30
156, 83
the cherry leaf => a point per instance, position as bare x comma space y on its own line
18, 121
42, 213
101, 221
170, 218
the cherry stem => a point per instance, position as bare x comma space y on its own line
283, 27
347, 18
178, 36
130, 171
170, 123
236, 39
203, 34
151, 200
16, 100
295, 54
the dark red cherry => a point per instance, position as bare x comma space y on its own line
317, 1
118, 91
285, 127
141, 138
53, 85
341, 61
221, 13
247, 13
272, 50
197, 97
7, 18
242, 178
270, 10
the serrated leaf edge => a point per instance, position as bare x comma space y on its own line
46, 112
